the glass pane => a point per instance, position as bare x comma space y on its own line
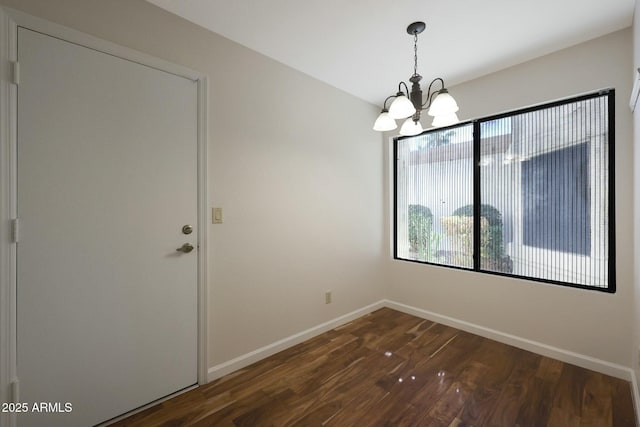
434, 182
544, 193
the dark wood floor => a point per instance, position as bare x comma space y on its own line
392, 369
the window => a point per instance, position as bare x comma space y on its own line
526, 194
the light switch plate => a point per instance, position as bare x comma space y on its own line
216, 216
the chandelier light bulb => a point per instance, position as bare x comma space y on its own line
443, 104
401, 108
411, 128
384, 122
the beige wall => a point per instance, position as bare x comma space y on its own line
586, 322
636, 179
292, 161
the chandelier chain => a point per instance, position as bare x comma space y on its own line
415, 53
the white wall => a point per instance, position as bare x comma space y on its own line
636, 179
586, 322
293, 163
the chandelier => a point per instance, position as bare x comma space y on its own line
408, 105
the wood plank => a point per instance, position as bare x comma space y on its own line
537, 411
623, 410
567, 400
501, 361
447, 409
596, 401
515, 390
549, 369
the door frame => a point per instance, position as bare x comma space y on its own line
10, 20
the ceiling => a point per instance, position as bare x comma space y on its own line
361, 46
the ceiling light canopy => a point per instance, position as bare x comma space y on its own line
408, 105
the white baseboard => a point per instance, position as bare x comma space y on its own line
563, 355
247, 359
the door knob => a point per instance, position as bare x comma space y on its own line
186, 248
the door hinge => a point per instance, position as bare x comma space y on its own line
16, 72
15, 391
15, 230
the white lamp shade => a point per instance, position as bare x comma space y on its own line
384, 122
443, 104
445, 120
410, 128
401, 107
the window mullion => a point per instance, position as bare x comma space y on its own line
611, 177
476, 195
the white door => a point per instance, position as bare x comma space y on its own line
107, 178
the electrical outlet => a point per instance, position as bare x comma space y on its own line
327, 297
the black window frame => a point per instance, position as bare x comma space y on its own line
611, 265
